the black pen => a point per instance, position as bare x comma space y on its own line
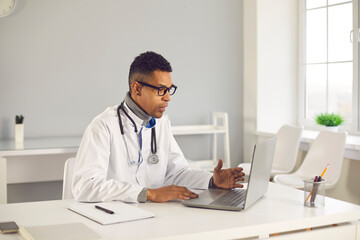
104, 209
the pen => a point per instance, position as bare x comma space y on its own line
314, 190
104, 209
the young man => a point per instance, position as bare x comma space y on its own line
128, 152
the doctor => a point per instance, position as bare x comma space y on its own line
128, 152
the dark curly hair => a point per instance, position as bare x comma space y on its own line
145, 64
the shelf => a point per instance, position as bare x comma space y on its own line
39, 146
196, 129
219, 125
207, 165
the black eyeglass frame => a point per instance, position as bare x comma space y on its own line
167, 89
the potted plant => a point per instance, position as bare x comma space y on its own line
330, 120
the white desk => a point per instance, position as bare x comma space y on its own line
280, 211
31, 147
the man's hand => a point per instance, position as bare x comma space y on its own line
227, 178
168, 193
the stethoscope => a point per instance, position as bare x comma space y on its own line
153, 158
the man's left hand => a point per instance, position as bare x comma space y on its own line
227, 178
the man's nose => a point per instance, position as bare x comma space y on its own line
166, 97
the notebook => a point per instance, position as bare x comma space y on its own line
122, 212
69, 231
240, 199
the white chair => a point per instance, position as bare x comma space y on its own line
328, 148
68, 176
286, 150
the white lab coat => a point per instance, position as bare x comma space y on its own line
102, 171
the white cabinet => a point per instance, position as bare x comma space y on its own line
219, 126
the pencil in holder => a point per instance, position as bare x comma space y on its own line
314, 193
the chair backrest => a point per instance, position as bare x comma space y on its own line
328, 148
67, 180
287, 148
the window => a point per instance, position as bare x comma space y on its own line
329, 60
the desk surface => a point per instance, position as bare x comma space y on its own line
281, 210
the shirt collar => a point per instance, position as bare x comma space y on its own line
135, 109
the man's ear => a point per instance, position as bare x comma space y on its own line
136, 88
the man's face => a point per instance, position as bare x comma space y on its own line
149, 100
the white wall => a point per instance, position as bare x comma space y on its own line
250, 77
64, 62
277, 65
270, 67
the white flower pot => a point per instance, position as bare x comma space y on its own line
331, 128
19, 133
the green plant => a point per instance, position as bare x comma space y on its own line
19, 119
329, 119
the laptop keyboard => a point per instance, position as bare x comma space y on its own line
232, 198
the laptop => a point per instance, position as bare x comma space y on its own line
240, 199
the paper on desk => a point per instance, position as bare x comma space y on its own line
122, 212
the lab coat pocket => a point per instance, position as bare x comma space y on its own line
156, 170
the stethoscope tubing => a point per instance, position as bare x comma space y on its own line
153, 132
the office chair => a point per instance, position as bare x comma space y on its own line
286, 150
68, 176
328, 148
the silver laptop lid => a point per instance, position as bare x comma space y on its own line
260, 171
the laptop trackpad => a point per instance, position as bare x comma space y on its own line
209, 196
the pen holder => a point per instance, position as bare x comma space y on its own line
19, 133
314, 193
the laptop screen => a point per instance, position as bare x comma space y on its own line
260, 171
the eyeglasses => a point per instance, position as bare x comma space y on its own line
161, 90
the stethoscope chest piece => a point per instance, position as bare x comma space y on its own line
153, 159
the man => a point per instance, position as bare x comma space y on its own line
128, 152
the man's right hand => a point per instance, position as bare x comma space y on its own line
168, 193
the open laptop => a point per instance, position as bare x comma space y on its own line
241, 199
